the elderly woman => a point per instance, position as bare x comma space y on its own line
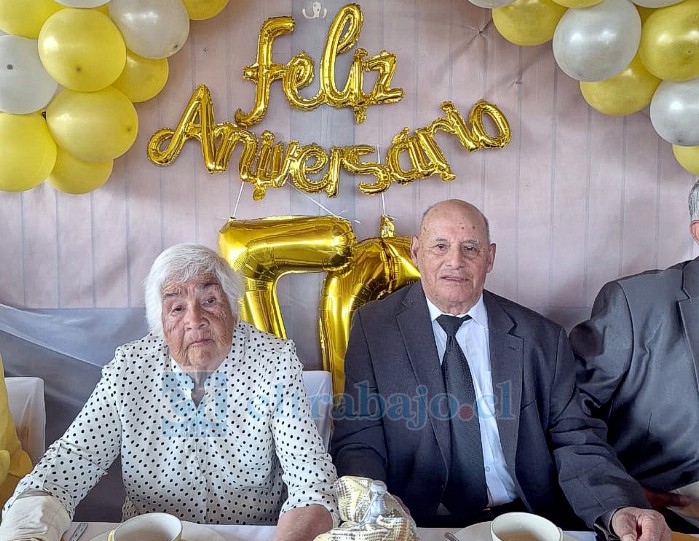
209, 414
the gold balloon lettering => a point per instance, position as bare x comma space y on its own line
356, 272
298, 72
268, 165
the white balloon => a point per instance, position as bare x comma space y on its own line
151, 28
25, 85
597, 42
674, 112
82, 3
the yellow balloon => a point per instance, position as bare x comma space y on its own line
75, 176
142, 78
528, 22
670, 41
28, 151
577, 3
625, 93
82, 49
26, 17
198, 10
687, 157
93, 126
644, 12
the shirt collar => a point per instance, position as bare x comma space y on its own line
477, 312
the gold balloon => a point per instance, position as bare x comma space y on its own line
82, 49
670, 41
687, 157
199, 10
93, 126
142, 78
577, 3
265, 249
26, 17
75, 176
644, 12
528, 22
379, 266
28, 151
625, 93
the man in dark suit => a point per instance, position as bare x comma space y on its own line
638, 368
535, 449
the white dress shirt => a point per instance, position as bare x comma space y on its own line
472, 336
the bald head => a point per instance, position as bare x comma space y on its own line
457, 205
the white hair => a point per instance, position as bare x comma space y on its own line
694, 202
178, 264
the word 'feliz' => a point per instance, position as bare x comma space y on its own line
268, 165
298, 72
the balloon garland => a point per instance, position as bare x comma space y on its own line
72, 71
625, 56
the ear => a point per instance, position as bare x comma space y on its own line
491, 255
694, 230
414, 247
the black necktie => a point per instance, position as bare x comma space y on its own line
466, 493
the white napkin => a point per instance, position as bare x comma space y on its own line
690, 513
35, 517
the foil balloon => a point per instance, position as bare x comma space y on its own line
627, 92
25, 85
670, 42
379, 266
82, 49
28, 151
265, 249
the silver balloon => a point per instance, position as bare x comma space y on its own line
82, 3
597, 42
151, 28
656, 3
25, 85
491, 3
674, 112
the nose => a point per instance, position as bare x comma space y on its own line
454, 257
195, 317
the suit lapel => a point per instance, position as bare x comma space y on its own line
689, 310
416, 329
506, 360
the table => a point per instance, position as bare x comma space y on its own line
265, 533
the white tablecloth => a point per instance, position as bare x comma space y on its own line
265, 533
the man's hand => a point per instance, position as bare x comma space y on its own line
303, 523
663, 500
634, 524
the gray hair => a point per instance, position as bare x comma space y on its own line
694, 202
178, 264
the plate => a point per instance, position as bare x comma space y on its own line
481, 532
190, 532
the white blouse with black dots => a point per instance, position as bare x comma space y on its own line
247, 452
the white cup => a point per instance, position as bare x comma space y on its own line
151, 526
523, 527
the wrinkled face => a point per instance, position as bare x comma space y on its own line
197, 322
453, 256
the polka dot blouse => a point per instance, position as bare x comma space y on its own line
247, 452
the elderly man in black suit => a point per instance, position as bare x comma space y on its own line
410, 422
638, 370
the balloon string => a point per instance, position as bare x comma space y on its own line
237, 201
326, 209
383, 201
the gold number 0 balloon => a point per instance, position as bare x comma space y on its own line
265, 249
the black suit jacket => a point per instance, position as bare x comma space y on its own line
638, 370
385, 429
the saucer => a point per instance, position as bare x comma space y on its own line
190, 532
481, 532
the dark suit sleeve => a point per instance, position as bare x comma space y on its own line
590, 474
603, 347
358, 443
